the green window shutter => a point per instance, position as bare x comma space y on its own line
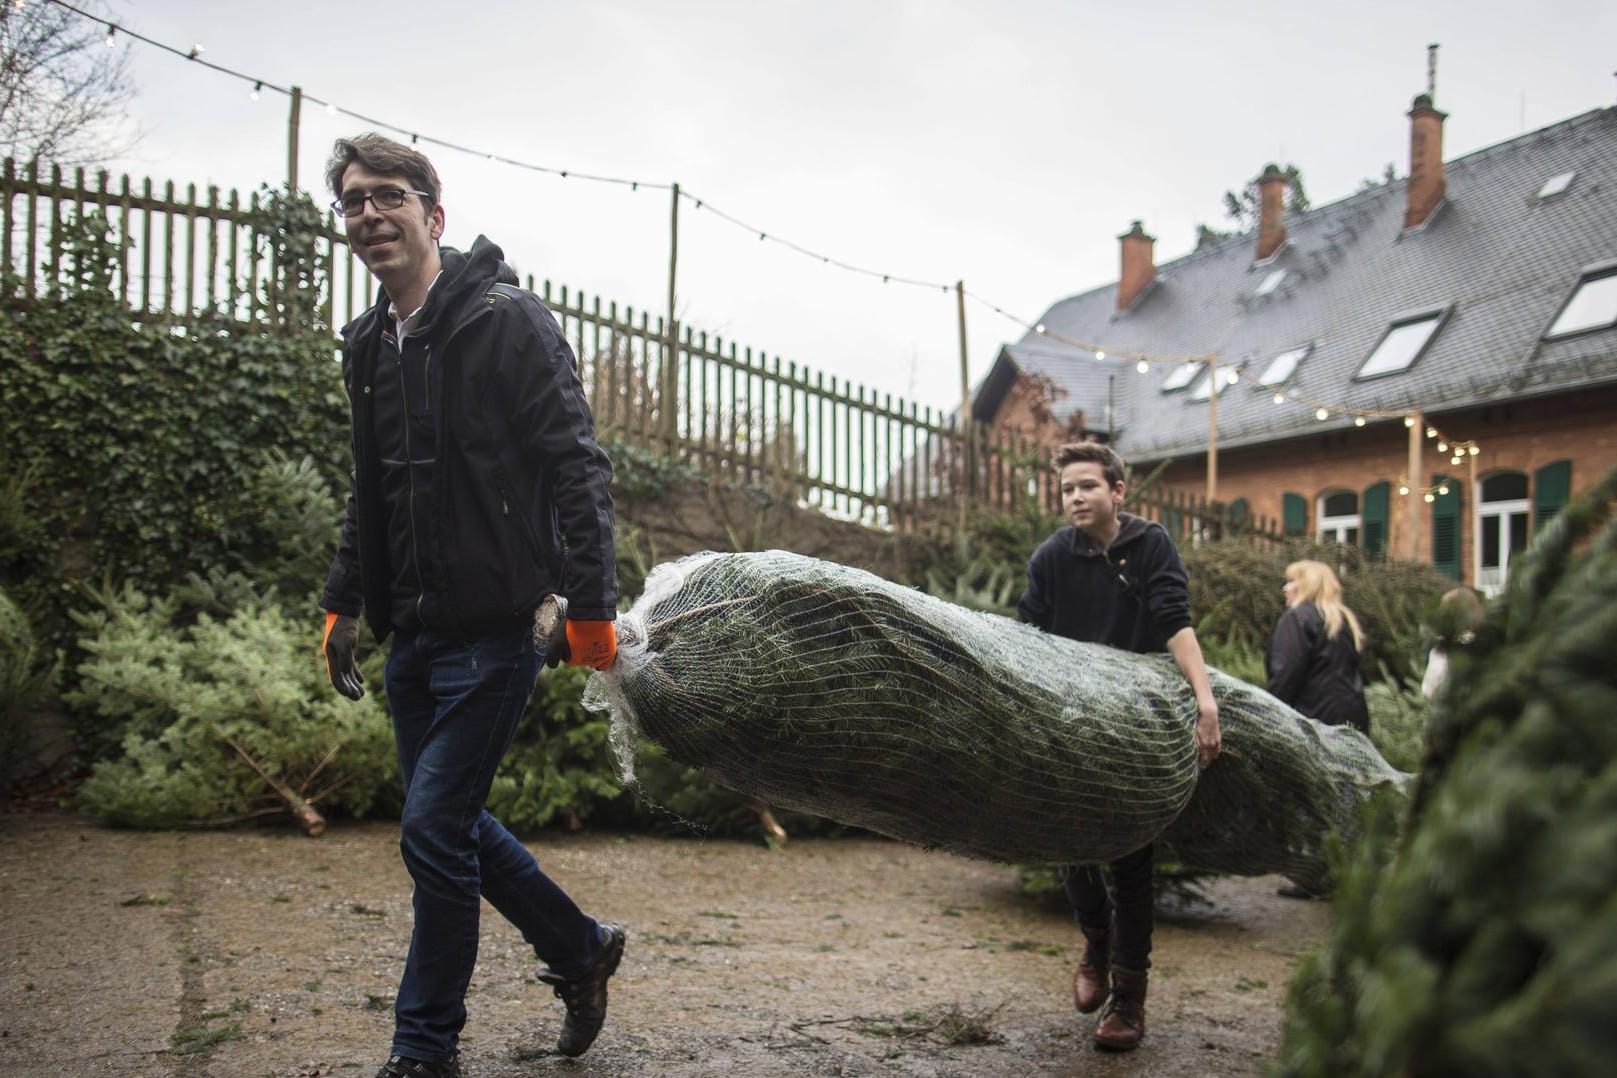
1446, 529
1375, 514
1294, 512
1552, 488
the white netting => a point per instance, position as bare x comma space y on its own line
829, 690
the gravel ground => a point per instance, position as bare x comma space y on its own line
264, 953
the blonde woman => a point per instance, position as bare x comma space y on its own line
1313, 660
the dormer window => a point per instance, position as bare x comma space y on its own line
1182, 376
1593, 305
1402, 344
1555, 185
1283, 366
1271, 282
1227, 376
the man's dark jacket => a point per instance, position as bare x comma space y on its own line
1133, 595
1314, 673
520, 505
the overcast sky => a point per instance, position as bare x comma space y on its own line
1006, 143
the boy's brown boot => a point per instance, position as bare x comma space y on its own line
1123, 1023
1093, 979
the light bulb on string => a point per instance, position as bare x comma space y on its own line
1431, 432
1099, 355
1403, 491
112, 35
1280, 398
1409, 421
1039, 328
1142, 366
257, 86
1358, 421
331, 108
1443, 488
1474, 450
1442, 447
1321, 413
1429, 496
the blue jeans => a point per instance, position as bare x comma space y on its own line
455, 708
1130, 913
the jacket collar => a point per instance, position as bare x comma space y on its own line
1129, 528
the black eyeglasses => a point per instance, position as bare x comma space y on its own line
385, 198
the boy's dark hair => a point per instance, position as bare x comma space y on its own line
1111, 465
383, 156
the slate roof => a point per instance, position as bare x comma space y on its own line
1501, 261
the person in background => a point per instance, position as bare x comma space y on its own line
1113, 578
1459, 613
1313, 657
478, 490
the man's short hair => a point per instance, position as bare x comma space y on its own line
1111, 465
384, 157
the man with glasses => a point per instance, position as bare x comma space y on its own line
478, 490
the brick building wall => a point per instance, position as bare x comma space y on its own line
1522, 436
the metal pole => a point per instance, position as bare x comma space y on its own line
670, 365
1212, 429
1472, 494
1416, 497
965, 374
292, 142
970, 430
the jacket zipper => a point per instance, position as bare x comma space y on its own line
410, 463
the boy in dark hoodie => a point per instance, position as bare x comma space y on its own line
1113, 578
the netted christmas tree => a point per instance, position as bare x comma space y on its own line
1477, 933
827, 690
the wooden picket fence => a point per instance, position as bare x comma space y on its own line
737, 415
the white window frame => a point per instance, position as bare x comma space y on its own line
1606, 278
1182, 376
1270, 282
1267, 379
1433, 319
1337, 526
1556, 185
1497, 514
1204, 388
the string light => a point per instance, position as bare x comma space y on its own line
112, 35
1143, 360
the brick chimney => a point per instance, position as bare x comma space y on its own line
1271, 211
1139, 266
1426, 187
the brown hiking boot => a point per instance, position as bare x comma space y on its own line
1123, 1022
1093, 979
585, 994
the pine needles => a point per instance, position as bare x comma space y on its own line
1482, 940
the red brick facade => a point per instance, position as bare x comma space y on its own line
1520, 436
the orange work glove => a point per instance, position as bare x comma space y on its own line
342, 637
592, 643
